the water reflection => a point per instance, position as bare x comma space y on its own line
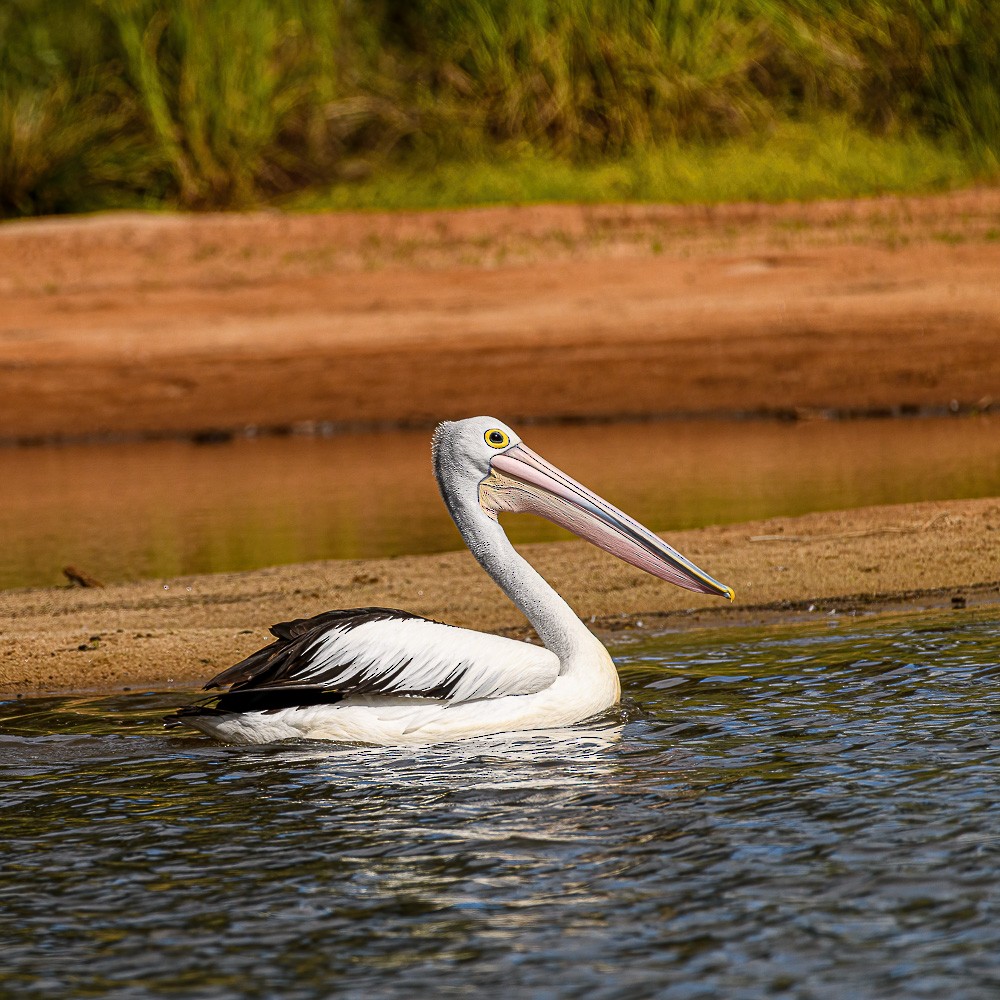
170, 508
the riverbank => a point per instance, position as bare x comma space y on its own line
152, 325
181, 631
159, 325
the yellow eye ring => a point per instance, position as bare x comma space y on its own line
496, 438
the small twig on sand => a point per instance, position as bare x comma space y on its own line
78, 578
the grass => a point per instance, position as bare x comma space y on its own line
828, 159
193, 104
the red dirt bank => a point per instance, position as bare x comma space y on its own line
129, 324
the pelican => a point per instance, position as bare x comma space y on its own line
386, 677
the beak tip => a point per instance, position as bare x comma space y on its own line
731, 594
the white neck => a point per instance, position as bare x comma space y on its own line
552, 618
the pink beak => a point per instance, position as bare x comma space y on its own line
525, 482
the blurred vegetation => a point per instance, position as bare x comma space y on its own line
829, 158
213, 105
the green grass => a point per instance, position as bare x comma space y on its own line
192, 104
830, 159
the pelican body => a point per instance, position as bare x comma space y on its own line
381, 676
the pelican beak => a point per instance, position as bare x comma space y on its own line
523, 482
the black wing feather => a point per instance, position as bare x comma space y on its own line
265, 680
272, 665
343, 620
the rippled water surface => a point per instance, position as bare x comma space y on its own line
793, 811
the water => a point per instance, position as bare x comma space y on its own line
172, 508
794, 811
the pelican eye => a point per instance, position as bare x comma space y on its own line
496, 438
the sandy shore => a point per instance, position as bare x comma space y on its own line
178, 632
138, 324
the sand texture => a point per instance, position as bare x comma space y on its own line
181, 631
138, 324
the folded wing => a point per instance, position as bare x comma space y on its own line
381, 651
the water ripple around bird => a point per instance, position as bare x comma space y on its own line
803, 811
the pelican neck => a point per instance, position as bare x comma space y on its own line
552, 618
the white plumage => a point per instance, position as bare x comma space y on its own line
423, 656
377, 675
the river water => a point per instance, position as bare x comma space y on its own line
801, 811
171, 508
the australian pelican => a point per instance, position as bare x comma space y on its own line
374, 675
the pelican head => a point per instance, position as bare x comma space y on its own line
484, 453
